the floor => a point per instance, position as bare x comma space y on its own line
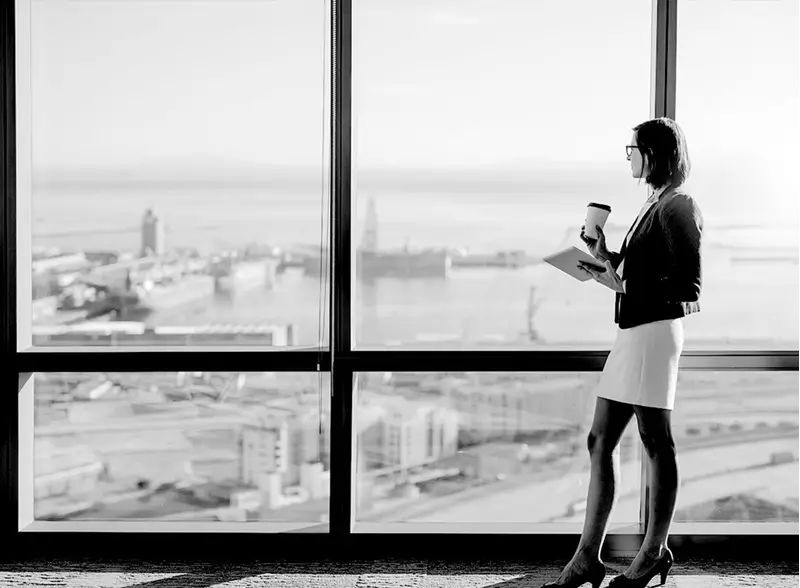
366, 574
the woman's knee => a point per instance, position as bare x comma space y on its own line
657, 445
655, 431
600, 444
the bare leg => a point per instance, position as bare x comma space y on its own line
655, 429
610, 420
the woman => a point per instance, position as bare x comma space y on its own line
656, 276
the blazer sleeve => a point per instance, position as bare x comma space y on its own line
682, 226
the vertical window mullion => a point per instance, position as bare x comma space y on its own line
8, 178
343, 451
9, 454
342, 436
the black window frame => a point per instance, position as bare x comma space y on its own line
339, 358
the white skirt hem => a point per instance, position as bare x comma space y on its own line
642, 368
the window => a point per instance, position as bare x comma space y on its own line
181, 446
184, 169
736, 436
476, 149
179, 173
743, 153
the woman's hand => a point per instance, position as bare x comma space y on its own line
597, 247
608, 278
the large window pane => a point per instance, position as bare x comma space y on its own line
477, 447
482, 448
737, 437
738, 88
480, 133
182, 446
179, 171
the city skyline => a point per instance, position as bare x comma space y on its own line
472, 444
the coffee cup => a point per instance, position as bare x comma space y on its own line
596, 215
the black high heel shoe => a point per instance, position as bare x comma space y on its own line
594, 574
662, 566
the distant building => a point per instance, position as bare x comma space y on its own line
428, 263
373, 263
264, 451
405, 434
308, 437
60, 264
119, 333
226, 493
509, 409
369, 241
280, 455
152, 235
304, 440
489, 460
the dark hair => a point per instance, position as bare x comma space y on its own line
664, 146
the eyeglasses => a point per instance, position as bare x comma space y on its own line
629, 149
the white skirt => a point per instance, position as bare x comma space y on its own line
642, 367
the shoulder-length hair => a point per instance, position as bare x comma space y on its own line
664, 146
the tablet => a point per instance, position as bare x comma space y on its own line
567, 262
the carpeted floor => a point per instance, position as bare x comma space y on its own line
364, 574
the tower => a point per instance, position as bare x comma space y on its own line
152, 234
369, 241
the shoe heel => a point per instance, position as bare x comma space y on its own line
598, 575
665, 572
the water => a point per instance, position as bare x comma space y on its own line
744, 303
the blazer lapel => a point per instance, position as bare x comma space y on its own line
633, 233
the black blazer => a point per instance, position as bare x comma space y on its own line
662, 262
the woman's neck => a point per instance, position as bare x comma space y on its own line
659, 190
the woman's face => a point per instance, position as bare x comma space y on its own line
638, 166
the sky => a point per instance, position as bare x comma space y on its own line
204, 84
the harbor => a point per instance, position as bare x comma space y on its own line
428, 296
123, 297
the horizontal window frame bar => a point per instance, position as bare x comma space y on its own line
215, 359
364, 546
254, 359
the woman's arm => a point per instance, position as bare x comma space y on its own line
682, 225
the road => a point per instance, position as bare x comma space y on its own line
706, 473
